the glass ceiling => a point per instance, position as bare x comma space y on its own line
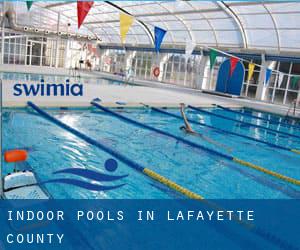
251, 25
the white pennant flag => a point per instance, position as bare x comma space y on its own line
280, 79
189, 48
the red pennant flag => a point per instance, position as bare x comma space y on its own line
233, 62
83, 9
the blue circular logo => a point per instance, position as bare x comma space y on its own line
111, 165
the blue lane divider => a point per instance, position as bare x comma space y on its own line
285, 118
257, 117
221, 130
152, 174
108, 150
121, 103
195, 145
247, 123
142, 125
143, 170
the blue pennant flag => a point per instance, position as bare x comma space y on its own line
159, 34
268, 75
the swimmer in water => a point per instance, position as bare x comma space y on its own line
188, 129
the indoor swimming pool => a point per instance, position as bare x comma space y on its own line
52, 148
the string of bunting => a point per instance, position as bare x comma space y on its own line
126, 21
294, 79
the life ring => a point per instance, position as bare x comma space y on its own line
156, 71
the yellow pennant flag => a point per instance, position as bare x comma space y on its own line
125, 23
250, 71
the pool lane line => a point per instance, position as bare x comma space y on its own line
134, 165
201, 147
285, 118
248, 123
145, 126
296, 151
257, 117
159, 178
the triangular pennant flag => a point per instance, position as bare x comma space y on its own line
233, 63
83, 8
159, 35
251, 67
280, 79
189, 48
212, 57
295, 80
268, 75
29, 4
125, 23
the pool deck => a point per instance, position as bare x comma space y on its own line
146, 92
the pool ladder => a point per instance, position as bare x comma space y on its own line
292, 106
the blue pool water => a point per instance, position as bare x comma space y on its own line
57, 79
52, 148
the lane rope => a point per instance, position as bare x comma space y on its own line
257, 117
145, 126
224, 131
269, 172
172, 184
155, 176
195, 145
136, 166
248, 123
285, 118
296, 151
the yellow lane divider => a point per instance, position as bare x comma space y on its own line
266, 171
172, 185
296, 151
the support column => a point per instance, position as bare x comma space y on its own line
161, 67
57, 41
2, 42
67, 60
261, 91
3, 34
202, 81
130, 73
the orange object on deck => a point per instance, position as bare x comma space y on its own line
15, 155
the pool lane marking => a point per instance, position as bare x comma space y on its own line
296, 151
274, 115
155, 176
248, 123
224, 131
171, 184
195, 145
269, 172
145, 126
257, 117
136, 166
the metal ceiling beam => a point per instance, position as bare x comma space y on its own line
58, 4
255, 3
237, 21
275, 26
169, 13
